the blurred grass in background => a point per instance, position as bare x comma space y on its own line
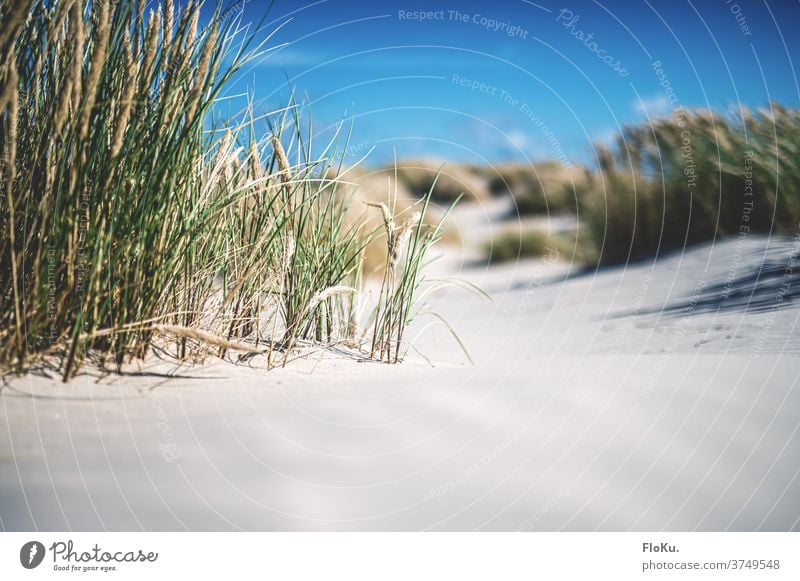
666, 184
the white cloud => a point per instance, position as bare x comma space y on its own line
656, 106
607, 136
518, 139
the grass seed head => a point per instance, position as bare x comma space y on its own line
288, 252
257, 172
169, 17
328, 293
402, 240
151, 43
388, 221
283, 162
131, 72
200, 75
101, 34
78, 31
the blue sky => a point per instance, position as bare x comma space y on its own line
511, 79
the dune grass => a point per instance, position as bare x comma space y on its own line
543, 188
367, 187
133, 219
662, 185
691, 177
520, 241
407, 243
453, 181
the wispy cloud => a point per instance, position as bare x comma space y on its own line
607, 137
655, 106
388, 58
519, 139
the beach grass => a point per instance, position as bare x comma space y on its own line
660, 186
691, 177
453, 181
543, 188
134, 218
518, 241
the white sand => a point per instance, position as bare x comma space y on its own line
588, 408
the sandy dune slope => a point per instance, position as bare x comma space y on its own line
663, 395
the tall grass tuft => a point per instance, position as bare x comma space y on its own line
407, 245
104, 211
132, 220
546, 187
691, 177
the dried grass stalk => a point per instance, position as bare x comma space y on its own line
329, 293
96, 67
13, 21
205, 337
191, 32
150, 45
131, 72
283, 162
200, 75
388, 221
402, 240
169, 17
256, 171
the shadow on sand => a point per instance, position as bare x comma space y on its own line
775, 284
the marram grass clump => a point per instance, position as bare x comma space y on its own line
519, 241
134, 220
691, 177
